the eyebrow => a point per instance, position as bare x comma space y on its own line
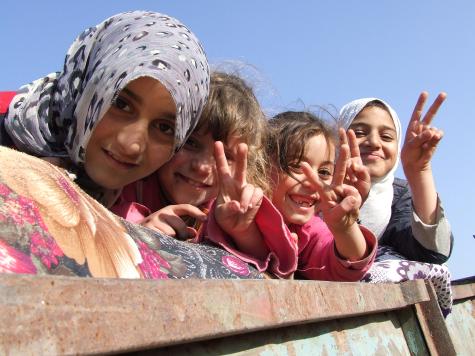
168, 115
385, 127
133, 95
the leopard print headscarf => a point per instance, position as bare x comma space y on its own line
55, 116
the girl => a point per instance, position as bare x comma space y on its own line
187, 184
410, 226
130, 92
284, 234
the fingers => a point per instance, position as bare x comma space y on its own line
354, 147
241, 164
434, 108
251, 197
187, 209
222, 166
342, 160
417, 113
429, 116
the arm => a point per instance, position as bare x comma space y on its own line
408, 235
419, 146
281, 258
237, 204
319, 259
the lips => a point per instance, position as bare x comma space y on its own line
372, 155
119, 160
301, 201
194, 183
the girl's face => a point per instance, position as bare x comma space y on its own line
377, 139
135, 136
190, 177
293, 195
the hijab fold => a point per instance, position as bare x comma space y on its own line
55, 116
376, 210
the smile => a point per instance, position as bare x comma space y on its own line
302, 201
372, 156
192, 182
119, 160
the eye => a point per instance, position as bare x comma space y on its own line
122, 104
325, 174
387, 137
192, 144
359, 132
295, 167
165, 127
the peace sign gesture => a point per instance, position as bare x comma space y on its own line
238, 202
338, 202
421, 139
357, 173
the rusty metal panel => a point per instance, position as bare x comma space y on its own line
461, 326
58, 315
433, 325
377, 334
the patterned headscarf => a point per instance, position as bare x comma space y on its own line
55, 116
376, 210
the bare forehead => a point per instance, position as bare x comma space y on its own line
374, 117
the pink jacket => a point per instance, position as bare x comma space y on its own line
138, 200
313, 257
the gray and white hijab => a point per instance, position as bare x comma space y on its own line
54, 116
376, 210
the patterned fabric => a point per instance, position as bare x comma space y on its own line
49, 226
390, 266
55, 115
376, 210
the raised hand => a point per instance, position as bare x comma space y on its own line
421, 139
169, 220
238, 203
357, 174
339, 203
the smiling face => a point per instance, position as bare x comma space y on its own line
292, 194
190, 177
135, 136
377, 139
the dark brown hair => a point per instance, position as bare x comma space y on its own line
289, 133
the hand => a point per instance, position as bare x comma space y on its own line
357, 173
339, 203
169, 222
421, 139
237, 202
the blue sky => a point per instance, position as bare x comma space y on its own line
300, 54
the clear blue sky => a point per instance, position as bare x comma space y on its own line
306, 53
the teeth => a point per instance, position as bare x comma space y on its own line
304, 203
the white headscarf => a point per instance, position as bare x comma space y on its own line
376, 210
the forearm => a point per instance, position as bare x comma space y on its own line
350, 243
424, 195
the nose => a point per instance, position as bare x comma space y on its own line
203, 164
373, 140
132, 139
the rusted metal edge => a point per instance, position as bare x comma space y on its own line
58, 315
433, 326
463, 288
